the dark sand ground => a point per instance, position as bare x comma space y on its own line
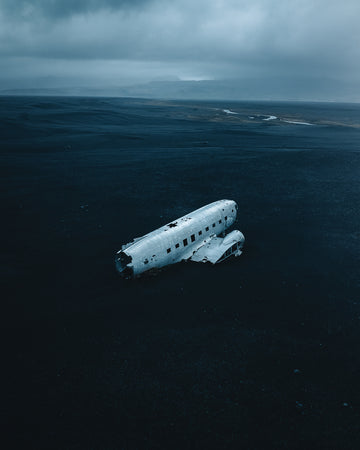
259, 352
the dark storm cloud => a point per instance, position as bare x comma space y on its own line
64, 8
146, 39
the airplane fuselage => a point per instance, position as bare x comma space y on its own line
178, 240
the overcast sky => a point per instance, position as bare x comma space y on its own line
97, 42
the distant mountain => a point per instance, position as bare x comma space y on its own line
248, 89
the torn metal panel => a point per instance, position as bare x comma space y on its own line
194, 236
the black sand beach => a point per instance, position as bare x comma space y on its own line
261, 351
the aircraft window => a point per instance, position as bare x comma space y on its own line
213, 225
200, 233
168, 250
177, 245
185, 242
207, 229
225, 217
232, 210
192, 237
220, 221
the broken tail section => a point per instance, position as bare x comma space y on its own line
123, 264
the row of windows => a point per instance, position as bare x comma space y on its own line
192, 237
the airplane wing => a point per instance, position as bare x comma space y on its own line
217, 249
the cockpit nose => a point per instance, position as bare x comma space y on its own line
234, 207
234, 210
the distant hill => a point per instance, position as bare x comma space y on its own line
249, 89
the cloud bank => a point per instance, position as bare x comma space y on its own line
123, 42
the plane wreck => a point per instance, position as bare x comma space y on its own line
198, 236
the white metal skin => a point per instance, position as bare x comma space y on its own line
193, 236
